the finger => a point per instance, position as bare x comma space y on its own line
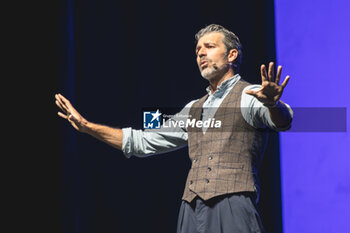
263, 73
63, 106
285, 82
74, 122
60, 106
278, 76
271, 71
251, 92
75, 126
64, 116
65, 101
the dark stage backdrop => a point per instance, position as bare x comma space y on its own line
111, 59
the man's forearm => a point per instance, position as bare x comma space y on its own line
109, 135
280, 115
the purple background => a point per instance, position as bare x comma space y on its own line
312, 42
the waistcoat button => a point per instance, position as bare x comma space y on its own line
191, 182
206, 180
209, 169
210, 157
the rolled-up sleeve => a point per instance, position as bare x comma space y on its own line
143, 143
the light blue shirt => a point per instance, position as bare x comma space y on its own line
142, 143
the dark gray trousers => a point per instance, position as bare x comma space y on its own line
233, 213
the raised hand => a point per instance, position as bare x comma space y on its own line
270, 91
70, 114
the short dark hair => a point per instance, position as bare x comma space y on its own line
231, 41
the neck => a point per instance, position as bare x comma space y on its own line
215, 82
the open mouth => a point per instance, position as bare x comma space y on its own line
203, 64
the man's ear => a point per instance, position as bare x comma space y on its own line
232, 55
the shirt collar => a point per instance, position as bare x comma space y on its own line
224, 86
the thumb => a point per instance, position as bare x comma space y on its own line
250, 92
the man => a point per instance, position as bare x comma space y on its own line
222, 185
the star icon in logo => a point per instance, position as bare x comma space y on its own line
155, 115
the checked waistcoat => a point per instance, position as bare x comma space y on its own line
225, 159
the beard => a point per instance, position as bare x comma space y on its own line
213, 71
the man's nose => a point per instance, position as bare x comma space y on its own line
202, 52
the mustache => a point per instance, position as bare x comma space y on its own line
209, 61
204, 59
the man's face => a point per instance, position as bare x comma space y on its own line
211, 55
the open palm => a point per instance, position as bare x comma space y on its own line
70, 113
270, 91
